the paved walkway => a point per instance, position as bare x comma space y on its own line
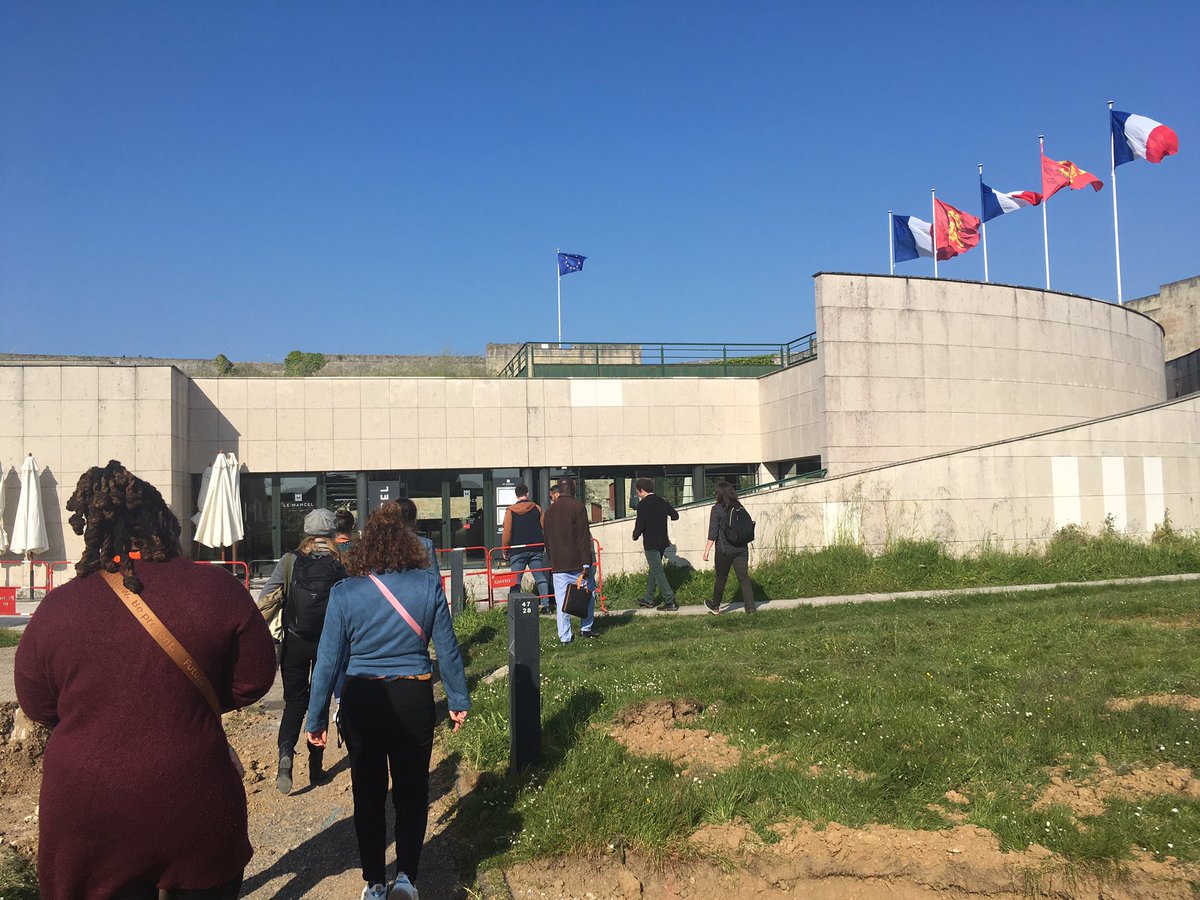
7, 654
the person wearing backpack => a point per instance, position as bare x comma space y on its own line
730, 530
524, 540
307, 575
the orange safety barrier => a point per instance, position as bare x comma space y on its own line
233, 563
498, 579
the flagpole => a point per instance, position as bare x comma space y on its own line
1112, 155
933, 227
558, 271
891, 246
983, 226
1045, 203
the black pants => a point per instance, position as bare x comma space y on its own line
295, 669
227, 891
740, 563
388, 724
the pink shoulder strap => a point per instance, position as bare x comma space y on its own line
412, 623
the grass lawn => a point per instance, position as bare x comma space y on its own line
18, 879
1072, 555
9, 638
914, 698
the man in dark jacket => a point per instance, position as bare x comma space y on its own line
651, 526
523, 540
569, 552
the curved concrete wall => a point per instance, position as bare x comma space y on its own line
914, 366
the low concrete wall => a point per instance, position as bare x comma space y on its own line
1135, 467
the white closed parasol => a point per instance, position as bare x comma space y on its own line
220, 523
29, 527
3, 533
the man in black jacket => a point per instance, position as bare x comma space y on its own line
651, 526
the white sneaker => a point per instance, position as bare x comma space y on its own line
403, 889
374, 892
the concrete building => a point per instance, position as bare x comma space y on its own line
1176, 307
963, 411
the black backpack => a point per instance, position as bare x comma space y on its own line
738, 527
308, 594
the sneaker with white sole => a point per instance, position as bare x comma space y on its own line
403, 889
374, 892
713, 607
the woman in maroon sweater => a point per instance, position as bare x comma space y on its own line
139, 791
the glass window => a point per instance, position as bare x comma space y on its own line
424, 489
258, 494
297, 498
466, 514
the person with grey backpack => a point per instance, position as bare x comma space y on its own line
731, 531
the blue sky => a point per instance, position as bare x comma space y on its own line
187, 179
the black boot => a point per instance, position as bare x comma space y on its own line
316, 769
283, 776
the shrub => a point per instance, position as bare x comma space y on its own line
224, 366
300, 364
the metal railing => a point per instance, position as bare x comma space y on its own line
552, 360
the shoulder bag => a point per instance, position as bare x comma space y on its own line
163, 637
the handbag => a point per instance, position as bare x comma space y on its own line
271, 604
163, 637
578, 599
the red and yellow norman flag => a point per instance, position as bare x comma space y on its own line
955, 231
1058, 175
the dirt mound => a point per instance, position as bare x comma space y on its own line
1180, 701
22, 744
653, 729
841, 862
1088, 798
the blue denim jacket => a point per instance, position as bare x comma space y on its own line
365, 636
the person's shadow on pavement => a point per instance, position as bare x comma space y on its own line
331, 851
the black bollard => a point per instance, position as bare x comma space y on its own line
524, 682
457, 589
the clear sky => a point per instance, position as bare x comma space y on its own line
250, 178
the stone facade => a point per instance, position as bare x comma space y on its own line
1177, 308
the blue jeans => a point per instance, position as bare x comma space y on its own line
561, 580
533, 561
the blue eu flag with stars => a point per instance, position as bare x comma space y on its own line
570, 262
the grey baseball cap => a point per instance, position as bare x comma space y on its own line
320, 523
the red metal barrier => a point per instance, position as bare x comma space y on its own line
47, 576
8, 601
497, 579
233, 564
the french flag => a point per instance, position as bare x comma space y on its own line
1136, 137
997, 203
911, 238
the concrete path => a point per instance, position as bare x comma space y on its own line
273, 700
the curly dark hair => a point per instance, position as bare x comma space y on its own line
388, 544
118, 513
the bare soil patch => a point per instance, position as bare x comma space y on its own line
1185, 702
1087, 798
21, 746
845, 863
658, 728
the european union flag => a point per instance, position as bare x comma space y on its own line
570, 262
